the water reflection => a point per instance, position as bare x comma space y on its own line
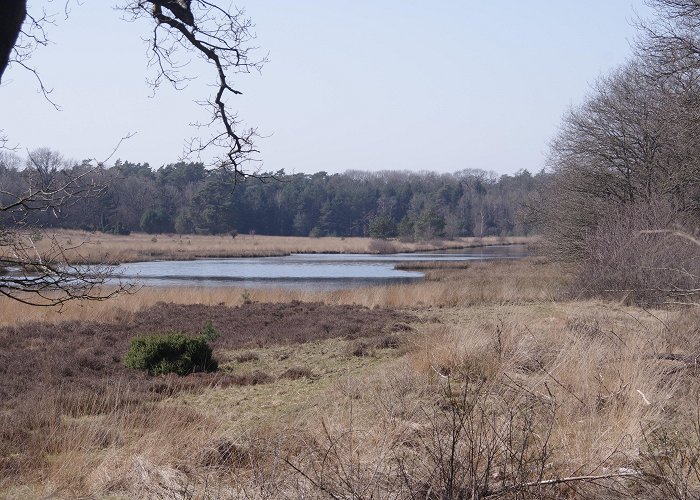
300, 271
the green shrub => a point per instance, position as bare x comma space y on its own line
210, 333
175, 352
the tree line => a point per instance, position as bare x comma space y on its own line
188, 198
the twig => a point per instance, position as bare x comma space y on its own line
561, 480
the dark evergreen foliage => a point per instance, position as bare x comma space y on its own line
187, 198
173, 353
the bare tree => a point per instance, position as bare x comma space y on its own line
672, 39
626, 167
180, 29
45, 276
635, 140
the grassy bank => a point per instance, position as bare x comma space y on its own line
507, 281
107, 248
482, 382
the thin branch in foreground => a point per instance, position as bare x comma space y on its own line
563, 480
222, 38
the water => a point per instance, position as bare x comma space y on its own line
299, 271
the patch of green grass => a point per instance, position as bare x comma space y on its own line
286, 398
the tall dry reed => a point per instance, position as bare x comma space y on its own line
496, 282
101, 248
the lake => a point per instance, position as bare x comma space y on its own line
301, 271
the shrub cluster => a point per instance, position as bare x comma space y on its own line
173, 352
642, 253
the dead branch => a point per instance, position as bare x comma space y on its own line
680, 234
561, 480
223, 39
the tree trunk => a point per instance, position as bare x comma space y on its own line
12, 14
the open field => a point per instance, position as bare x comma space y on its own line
99, 248
486, 381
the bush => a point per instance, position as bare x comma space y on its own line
175, 352
209, 333
639, 253
155, 221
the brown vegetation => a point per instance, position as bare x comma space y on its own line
59, 380
624, 169
639, 255
100, 248
503, 281
517, 395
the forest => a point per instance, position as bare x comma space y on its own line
187, 198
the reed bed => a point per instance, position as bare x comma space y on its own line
101, 248
496, 282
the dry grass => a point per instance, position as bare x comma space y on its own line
498, 384
65, 394
497, 398
591, 359
497, 282
108, 248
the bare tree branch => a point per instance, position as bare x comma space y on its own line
221, 38
563, 480
181, 29
46, 276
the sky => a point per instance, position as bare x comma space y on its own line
363, 85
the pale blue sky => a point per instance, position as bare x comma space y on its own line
368, 85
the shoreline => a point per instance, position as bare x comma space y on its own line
80, 247
330, 252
